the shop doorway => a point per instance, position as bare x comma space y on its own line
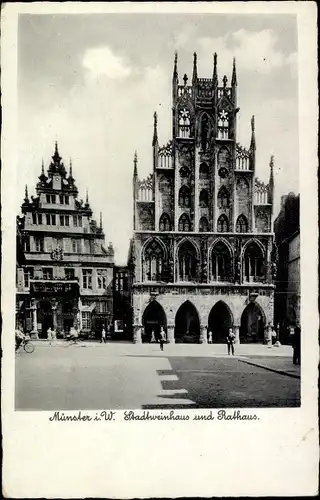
45, 318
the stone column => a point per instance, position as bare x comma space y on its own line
137, 334
203, 334
54, 315
236, 331
79, 315
34, 331
170, 334
268, 335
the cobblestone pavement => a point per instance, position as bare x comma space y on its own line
122, 376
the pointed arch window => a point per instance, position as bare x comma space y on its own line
223, 125
222, 224
221, 262
184, 223
165, 223
184, 123
203, 225
203, 198
223, 198
253, 263
153, 261
205, 132
242, 224
184, 197
204, 171
187, 262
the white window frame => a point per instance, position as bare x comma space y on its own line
38, 241
87, 279
86, 320
101, 279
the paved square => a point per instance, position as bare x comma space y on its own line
89, 377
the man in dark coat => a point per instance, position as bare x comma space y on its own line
296, 344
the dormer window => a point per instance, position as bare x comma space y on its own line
36, 218
64, 200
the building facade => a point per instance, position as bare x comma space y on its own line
122, 310
287, 293
202, 243
64, 272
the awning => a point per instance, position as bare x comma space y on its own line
88, 308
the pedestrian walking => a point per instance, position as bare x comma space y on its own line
153, 338
49, 335
103, 339
210, 337
296, 344
230, 341
161, 338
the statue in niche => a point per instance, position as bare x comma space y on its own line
237, 270
205, 132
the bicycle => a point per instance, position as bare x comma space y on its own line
27, 346
72, 340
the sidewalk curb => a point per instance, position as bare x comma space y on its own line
275, 370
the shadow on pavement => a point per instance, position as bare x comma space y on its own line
223, 383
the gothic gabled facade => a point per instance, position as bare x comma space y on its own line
64, 273
202, 245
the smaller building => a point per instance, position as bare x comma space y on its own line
287, 294
122, 310
64, 271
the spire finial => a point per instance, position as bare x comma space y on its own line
271, 164
271, 180
56, 157
253, 137
175, 66
234, 73
87, 197
101, 220
70, 167
195, 69
155, 129
215, 74
42, 167
225, 81
26, 196
135, 164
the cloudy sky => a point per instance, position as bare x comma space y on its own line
93, 82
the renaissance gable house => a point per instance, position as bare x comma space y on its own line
202, 245
64, 273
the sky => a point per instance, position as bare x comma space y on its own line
93, 82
